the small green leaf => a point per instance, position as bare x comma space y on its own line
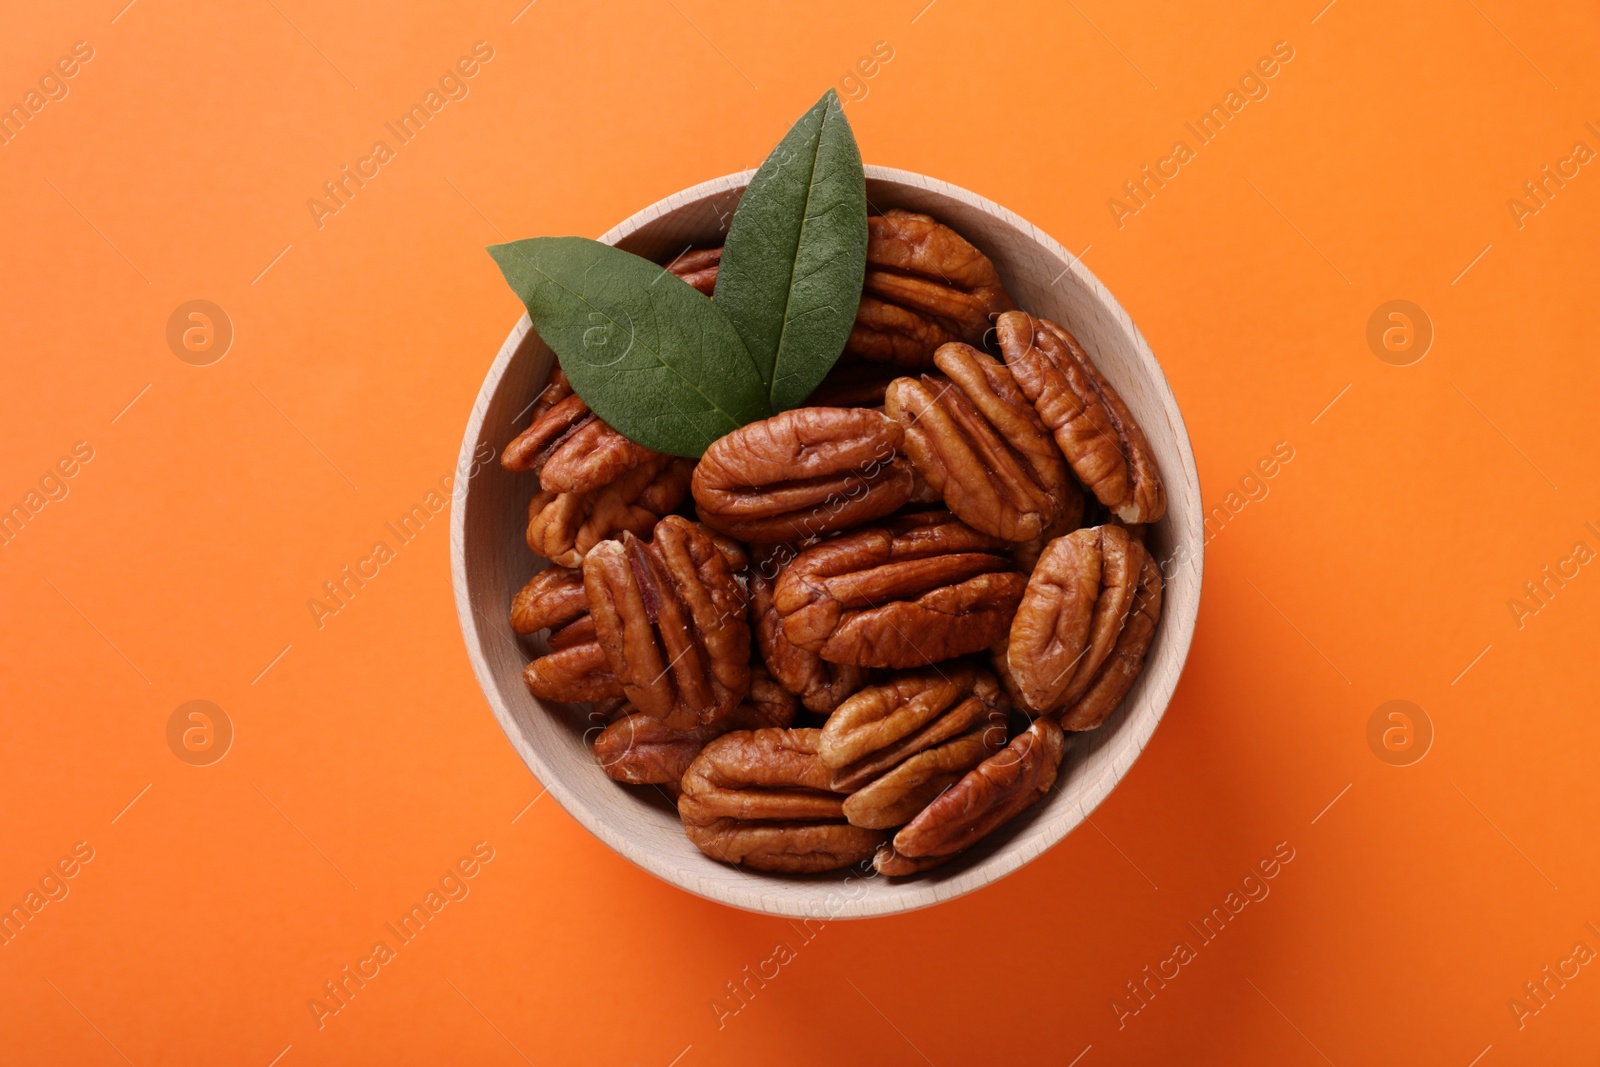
649, 354
796, 254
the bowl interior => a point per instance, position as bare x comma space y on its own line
491, 561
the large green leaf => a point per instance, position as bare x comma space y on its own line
796, 254
649, 354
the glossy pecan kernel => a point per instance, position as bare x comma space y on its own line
883, 725
574, 674
551, 599
804, 472
976, 439
577, 632
761, 798
1071, 614
986, 798
670, 615
1095, 429
925, 286
640, 750
820, 685
570, 448
895, 796
563, 527
1110, 684
555, 411
591, 456
909, 592
574, 668
892, 864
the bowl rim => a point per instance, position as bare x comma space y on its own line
1052, 826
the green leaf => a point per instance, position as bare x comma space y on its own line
796, 254
649, 354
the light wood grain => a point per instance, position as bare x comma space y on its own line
490, 561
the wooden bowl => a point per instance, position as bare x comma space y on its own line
490, 561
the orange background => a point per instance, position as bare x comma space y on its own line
366, 763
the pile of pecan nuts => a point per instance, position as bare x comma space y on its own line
823, 638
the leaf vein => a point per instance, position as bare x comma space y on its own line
634, 335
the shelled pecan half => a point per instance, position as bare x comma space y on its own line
908, 592
563, 527
898, 745
1095, 429
977, 440
761, 798
925, 286
801, 473
1071, 614
881, 725
895, 796
1120, 670
551, 599
574, 669
986, 798
638, 749
574, 674
571, 448
820, 685
670, 615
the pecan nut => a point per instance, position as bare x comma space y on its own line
563, 527
551, 599
761, 798
892, 864
986, 798
883, 725
574, 674
555, 410
977, 440
894, 797
803, 472
640, 750
912, 591
1095, 429
569, 446
925, 285
574, 670
1105, 691
670, 615
1071, 614
820, 685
